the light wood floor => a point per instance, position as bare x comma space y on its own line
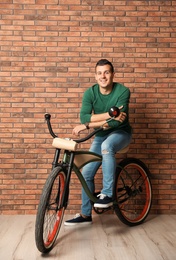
106, 239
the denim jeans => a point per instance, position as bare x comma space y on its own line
107, 146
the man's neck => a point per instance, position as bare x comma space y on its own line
107, 90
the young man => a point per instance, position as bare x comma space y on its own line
96, 103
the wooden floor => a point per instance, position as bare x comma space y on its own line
106, 239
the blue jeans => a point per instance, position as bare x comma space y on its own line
107, 146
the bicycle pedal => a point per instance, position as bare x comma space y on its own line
102, 210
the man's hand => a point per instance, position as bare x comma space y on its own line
78, 129
121, 117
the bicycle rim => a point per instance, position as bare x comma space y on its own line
133, 192
50, 213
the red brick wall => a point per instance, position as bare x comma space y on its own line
48, 53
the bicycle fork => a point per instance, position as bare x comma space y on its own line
67, 167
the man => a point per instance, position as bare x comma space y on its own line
96, 103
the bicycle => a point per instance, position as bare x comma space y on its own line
132, 191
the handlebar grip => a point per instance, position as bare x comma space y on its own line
114, 111
47, 116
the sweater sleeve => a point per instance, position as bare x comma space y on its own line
87, 107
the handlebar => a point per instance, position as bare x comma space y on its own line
48, 117
113, 112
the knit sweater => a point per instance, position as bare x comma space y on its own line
94, 102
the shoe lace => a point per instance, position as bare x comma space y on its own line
101, 196
77, 215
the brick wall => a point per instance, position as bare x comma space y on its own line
48, 53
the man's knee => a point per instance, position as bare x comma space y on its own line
105, 151
106, 148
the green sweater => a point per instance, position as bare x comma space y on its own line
95, 102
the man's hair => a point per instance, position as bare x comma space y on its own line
103, 62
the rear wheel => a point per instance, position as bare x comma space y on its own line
132, 191
50, 212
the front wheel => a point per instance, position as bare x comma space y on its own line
132, 191
50, 211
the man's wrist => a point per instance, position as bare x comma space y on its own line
87, 125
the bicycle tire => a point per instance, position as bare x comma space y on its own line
50, 214
132, 191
